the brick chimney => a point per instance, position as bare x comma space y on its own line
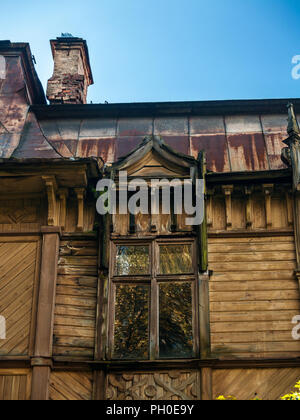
72, 71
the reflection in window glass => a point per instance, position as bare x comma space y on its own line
132, 260
132, 322
176, 259
175, 321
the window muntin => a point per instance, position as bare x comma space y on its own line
166, 326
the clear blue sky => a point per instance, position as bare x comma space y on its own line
169, 50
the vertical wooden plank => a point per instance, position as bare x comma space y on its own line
206, 384
46, 300
204, 316
40, 383
99, 390
202, 229
45, 313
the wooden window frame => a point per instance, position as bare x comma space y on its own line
154, 279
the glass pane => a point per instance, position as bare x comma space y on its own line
132, 260
175, 320
176, 259
131, 322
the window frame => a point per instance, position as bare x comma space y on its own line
153, 279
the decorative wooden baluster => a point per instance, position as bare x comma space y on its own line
155, 205
228, 190
63, 195
249, 206
268, 191
80, 201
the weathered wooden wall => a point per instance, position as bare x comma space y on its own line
249, 384
19, 271
15, 384
76, 299
253, 291
254, 296
70, 386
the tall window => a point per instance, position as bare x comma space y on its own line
154, 297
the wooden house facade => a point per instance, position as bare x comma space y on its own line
144, 306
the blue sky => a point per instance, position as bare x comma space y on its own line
169, 50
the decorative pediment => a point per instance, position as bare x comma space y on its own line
153, 158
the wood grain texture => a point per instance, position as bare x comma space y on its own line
256, 207
172, 385
71, 386
15, 385
248, 384
253, 297
76, 299
18, 270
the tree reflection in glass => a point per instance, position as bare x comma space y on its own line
176, 259
175, 321
132, 322
132, 260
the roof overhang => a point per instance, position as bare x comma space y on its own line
163, 109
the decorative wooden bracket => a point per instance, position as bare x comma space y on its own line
268, 190
80, 193
228, 190
249, 209
63, 195
51, 189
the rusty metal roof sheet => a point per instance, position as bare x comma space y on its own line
234, 140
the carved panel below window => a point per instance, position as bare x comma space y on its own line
174, 385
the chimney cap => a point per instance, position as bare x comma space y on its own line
69, 41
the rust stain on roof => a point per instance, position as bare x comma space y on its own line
126, 145
104, 148
216, 150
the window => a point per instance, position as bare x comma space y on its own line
154, 300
